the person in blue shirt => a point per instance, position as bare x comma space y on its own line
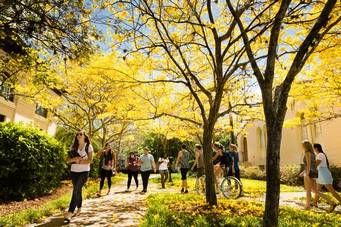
147, 165
234, 170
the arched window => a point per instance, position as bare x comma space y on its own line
265, 136
244, 151
259, 138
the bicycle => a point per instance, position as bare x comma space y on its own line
230, 186
197, 185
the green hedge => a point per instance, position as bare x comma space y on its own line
289, 174
31, 162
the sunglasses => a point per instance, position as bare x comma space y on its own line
79, 134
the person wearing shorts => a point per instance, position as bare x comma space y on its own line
199, 164
183, 162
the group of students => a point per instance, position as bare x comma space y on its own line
81, 155
316, 174
225, 163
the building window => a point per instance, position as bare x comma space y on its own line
7, 93
2, 118
41, 111
259, 138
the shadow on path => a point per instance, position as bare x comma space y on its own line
53, 222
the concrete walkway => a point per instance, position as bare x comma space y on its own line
119, 208
297, 200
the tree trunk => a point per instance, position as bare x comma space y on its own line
211, 197
274, 125
272, 176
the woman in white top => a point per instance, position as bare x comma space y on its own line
324, 175
163, 169
80, 157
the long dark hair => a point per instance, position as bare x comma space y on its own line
318, 147
75, 144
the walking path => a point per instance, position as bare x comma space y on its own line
294, 199
122, 208
119, 208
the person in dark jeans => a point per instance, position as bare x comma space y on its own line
106, 162
80, 157
234, 169
133, 170
147, 164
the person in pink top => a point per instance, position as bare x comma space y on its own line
133, 170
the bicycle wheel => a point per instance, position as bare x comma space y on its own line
200, 189
231, 187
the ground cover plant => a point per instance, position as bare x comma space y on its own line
191, 210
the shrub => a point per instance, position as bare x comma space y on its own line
252, 172
288, 174
31, 162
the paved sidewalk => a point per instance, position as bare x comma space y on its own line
120, 208
294, 199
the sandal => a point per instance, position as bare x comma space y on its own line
78, 212
67, 218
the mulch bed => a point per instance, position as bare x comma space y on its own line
16, 206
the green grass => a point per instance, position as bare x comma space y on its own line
54, 206
191, 210
252, 188
257, 187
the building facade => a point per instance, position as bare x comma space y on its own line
252, 144
18, 109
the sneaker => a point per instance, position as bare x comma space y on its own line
186, 191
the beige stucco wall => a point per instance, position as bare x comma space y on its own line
22, 110
327, 133
330, 140
7, 109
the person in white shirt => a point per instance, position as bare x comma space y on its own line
324, 175
163, 169
80, 157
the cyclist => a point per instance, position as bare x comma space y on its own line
222, 163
